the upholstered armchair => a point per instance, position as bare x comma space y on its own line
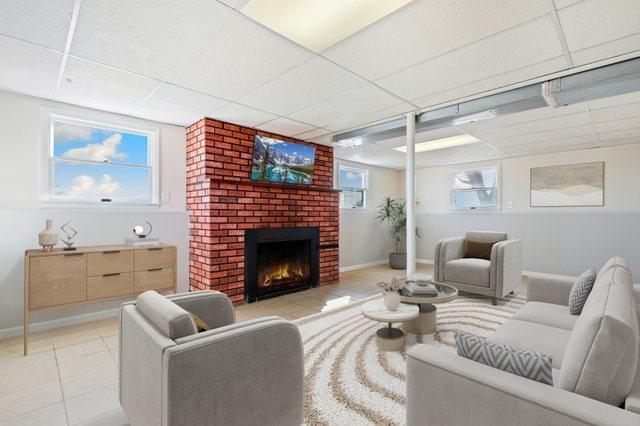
496, 278
233, 374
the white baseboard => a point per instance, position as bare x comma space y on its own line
61, 322
363, 265
425, 261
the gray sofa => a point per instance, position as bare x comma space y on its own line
595, 362
495, 278
234, 374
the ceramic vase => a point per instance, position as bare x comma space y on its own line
391, 300
48, 238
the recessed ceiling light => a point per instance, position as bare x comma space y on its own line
475, 117
349, 143
441, 143
318, 24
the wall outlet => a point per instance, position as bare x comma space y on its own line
165, 196
509, 204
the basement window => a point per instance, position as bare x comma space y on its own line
475, 189
352, 184
91, 162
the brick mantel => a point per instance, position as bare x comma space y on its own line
223, 202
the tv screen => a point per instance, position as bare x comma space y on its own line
280, 161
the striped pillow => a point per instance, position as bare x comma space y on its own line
529, 364
580, 291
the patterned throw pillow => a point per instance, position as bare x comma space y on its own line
580, 291
530, 364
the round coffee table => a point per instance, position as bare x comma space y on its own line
426, 321
389, 338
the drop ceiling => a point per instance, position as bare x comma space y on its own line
175, 62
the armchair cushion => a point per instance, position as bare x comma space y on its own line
171, 319
468, 271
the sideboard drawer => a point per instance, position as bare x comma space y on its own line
155, 257
57, 280
109, 285
154, 279
109, 262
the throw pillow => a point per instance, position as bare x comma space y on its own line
200, 324
580, 291
529, 364
478, 249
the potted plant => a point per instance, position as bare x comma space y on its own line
394, 213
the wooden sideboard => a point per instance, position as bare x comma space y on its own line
58, 278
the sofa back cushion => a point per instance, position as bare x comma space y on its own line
486, 236
171, 319
602, 352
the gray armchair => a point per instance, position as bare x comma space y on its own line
234, 374
495, 278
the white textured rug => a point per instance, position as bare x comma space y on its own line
348, 381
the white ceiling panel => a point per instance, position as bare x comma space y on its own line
564, 3
147, 37
371, 118
242, 115
41, 22
550, 143
304, 85
322, 140
355, 102
96, 86
619, 112
544, 125
286, 127
173, 104
568, 132
240, 58
607, 50
425, 29
616, 142
27, 68
627, 98
378, 157
346, 153
430, 135
613, 126
522, 117
235, 4
312, 133
516, 48
553, 149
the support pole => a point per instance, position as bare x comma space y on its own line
410, 195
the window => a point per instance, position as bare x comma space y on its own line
475, 189
353, 186
90, 162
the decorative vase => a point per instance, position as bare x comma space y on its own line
48, 238
391, 300
398, 260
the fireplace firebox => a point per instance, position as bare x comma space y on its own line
279, 261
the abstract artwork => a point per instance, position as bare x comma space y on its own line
568, 185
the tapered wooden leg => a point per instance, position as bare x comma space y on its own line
494, 301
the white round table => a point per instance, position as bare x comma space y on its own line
389, 338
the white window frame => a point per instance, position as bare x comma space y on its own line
364, 190
49, 117
498, 189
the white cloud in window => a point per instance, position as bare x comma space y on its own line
103, 151
84, 185
350, 175
64, 132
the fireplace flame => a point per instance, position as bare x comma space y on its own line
282, 272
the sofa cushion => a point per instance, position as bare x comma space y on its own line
547, 314
171, 319
468, 271
580, 291
602, 354
614, 261
534, 337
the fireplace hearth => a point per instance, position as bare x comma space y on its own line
279, 261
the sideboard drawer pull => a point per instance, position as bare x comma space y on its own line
115, 274
154, 269
72, 254
154, 248
111, 252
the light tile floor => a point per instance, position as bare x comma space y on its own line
70, 375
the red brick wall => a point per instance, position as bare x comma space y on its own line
223, 202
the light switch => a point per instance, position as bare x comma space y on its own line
165, 196
509, 204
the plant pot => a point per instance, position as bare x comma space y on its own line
398, 260
391, 300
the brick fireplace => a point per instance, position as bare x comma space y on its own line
223, 203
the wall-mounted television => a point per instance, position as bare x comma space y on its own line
281, 161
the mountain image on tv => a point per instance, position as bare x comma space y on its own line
280, 161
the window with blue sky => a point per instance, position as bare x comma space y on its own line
353, 185
98, 163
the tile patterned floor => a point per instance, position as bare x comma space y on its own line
70, 375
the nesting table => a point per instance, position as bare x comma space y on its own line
389, 338
425, 322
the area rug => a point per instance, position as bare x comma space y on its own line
348, 381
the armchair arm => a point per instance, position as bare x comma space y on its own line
446, 250
444, 388
506, 267
549, 288
212, 307
213, 379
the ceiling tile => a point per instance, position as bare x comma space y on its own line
42, 22
235, 4
425, 29
560, 148
240, 58
606, 50
383, 157
27, 68
430, 135
545, 125
619, 112
323, 140
568, 132
284, 126
173, 104
304, 85
627, 98
510, 50
312, 133
616, 142
242, 115
619, 134
550, 143
89, 84
371, 118
346, 153
559, 4
613, 126
523, 117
